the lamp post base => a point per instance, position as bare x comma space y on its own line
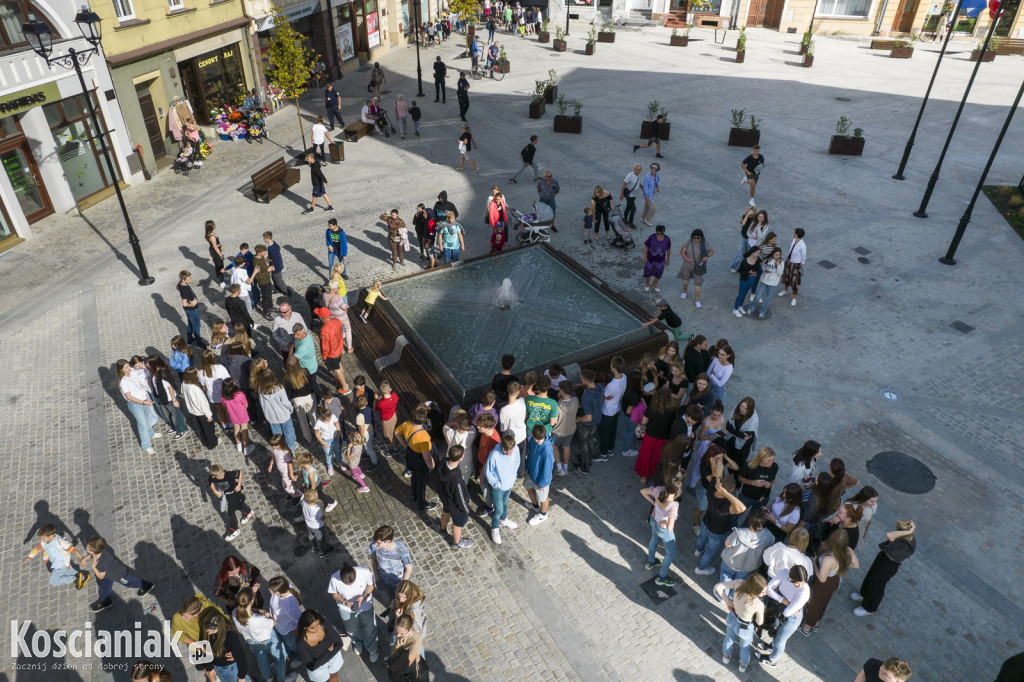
920, 214
146, 281
898, 176
947, 261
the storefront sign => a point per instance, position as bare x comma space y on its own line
372, 30
17, 102
345, 42
265, 23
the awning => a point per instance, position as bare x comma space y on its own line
266, 22
972, 7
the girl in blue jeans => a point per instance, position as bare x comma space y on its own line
746, 611
258, 631
663, 522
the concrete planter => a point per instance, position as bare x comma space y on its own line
663, 132
551, 94
606, 36
678, 41
846, 146
590, 49
742, 137
902, 52
558, 45
568, 124
990, 56
536, 109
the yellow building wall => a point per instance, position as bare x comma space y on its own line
163, 24
797, 14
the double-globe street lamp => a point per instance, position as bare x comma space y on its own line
40, 37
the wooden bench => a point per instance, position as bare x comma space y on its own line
273, 179
882, 44
1011, 46
353, 131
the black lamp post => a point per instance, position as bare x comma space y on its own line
419, 69
924, 102
40, 38
566, 17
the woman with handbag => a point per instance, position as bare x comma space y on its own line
406, 662
657, 429
695, 254
899, 546
466, 145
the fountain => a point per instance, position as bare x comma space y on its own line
443, 331
506, 295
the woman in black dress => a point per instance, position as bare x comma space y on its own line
899, 545
695, 357
216, 253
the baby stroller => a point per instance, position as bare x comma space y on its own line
256, 125
623, 239
384, 124
527, 231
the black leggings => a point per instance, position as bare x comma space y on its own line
598, 215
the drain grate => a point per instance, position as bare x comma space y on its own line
902, 472
862, 251
862, 259
962, 327
827, 264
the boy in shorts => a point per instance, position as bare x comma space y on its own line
540, 462
565, 427
752, 167
655, 137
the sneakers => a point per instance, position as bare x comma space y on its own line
238, 446
326, 552
682, 295
559, 471
146, 588
407, 473
667, 581
496, 536
308, 210
508, 523
793, 302
726, 658
601, 458
232, 535
698, 552
330, 507
704, 571
782, 293
747, 311
630, 453
330, 471
763, 658
248, 517
429, 506
761, 316
249, 449
649, 565
157, 434
466, 543
751, 202
513, 181
100, 605
658, 156
745, 180
697, 303
150, 451
374, 656
657, 290
81, 579
179, 436
695, 529
857, 596
364, 489
329, 209
737, 312
538, 519
646, 289
635, 147
861, 611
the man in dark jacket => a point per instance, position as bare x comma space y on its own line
454, 498
527, 157
440, 72
332, 102
442, 206
320, 184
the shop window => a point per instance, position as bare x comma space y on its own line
78, 146
844, 8
14, 13
123, 9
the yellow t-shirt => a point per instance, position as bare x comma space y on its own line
190, 628
420, 442
371, 297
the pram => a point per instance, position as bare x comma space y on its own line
623, 239
256, 126
384, 124
527, 230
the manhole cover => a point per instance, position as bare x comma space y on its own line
962, 327
862, 251
902, 472
843, 99
827, 264
658, 593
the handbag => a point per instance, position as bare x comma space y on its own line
641, 429
700, 268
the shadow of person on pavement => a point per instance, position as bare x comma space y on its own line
109, 381
211, 285
439, 672
169, 312
43, 517
307, 259
197, 471
171, 583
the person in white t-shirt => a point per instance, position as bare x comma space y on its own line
629, 191
793, 273
352, 588
512, 419
319, 136
259, 633
613, 391
140, 402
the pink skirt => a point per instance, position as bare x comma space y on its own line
650, 455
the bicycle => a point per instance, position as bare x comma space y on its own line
495, 71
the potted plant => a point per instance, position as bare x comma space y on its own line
558, 44
607, 32
809, 54
543, 36
904, 47
680, 40
741, 45
503, 60
843, 142
568, 124
537, 103
740, 136
990, 53
591, 40
551, 87
654, 109
805, 41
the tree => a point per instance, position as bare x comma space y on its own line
293, 64
468, 9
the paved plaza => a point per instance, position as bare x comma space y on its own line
569, 599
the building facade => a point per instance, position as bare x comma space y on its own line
50, 153
161, 52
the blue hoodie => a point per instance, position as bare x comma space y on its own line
501, 469
342, 242
540, 461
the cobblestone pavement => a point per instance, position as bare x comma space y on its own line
566, 600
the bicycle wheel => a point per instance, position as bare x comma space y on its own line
497, 73
476, 73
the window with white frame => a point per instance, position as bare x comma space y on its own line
123, 9
844, 8
175, 5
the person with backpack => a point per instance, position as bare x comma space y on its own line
419, 457
527, 155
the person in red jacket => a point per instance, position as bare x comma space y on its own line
332, 345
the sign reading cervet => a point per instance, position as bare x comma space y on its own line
17, 102
85, 642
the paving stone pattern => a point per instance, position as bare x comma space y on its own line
564, 600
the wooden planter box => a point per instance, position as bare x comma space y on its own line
663, 130
678, 41
590, 48
990, 56
558, 45
544, 36
902, 52
846, 146
882, 44
504, 66
551, 94
536, 109
803, 48
740, 56
568, 124
741, 137
606, 36
808, 60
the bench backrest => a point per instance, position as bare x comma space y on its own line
270, 172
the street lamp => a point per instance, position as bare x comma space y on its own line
40, 38
419, 70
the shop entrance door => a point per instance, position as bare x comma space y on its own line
904, 20
153, 127
21, 170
